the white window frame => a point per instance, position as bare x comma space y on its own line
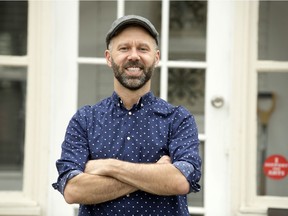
14, 202
37, 131
243, 112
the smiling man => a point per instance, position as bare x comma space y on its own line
131, 153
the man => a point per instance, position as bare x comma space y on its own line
131, 153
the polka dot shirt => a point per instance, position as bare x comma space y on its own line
150, 129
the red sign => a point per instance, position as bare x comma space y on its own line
276, 167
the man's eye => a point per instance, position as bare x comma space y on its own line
123, 49
143, 49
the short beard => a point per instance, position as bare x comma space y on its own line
132, 82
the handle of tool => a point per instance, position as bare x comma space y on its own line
264, 115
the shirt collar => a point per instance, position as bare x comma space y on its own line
146, 99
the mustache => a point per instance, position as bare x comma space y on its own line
134, 64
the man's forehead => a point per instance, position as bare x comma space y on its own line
134, 35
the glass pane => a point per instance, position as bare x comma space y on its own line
272, 158
155, 82
149, 9
187, 87
95, 20
187, 35
13, 27
273, 31
95, 83
12, 126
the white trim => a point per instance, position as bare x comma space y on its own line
185, 64
120, 8
272, 66
91, 60
64, 91
20, 211
238, 105
202, 137
13, 60
15, 203
217, 126
38, 102
164, 50
196, 210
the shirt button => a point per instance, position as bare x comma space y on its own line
130, 113
128, 138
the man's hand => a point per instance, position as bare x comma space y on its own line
98, 167
165, 159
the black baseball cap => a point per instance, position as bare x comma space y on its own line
128, 20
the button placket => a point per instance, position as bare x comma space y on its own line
129, 124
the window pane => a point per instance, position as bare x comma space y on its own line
95, 83
272, 148
187, 35
12, 123
273, 31
149, 9
155, 82
187, 87
13, 27
95, 20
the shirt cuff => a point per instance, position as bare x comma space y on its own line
187, 170
61, 183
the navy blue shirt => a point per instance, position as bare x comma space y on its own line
143, 134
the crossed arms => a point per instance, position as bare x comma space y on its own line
107, 179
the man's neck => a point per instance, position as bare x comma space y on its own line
130, 97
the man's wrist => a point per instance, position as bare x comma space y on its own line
113, 167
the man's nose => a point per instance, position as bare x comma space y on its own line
133, 55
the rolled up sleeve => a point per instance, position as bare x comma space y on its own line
188, 171
75, 151
62, 181
184, 148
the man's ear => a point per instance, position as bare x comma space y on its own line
157, 58
108, 58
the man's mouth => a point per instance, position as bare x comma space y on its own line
133, 69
